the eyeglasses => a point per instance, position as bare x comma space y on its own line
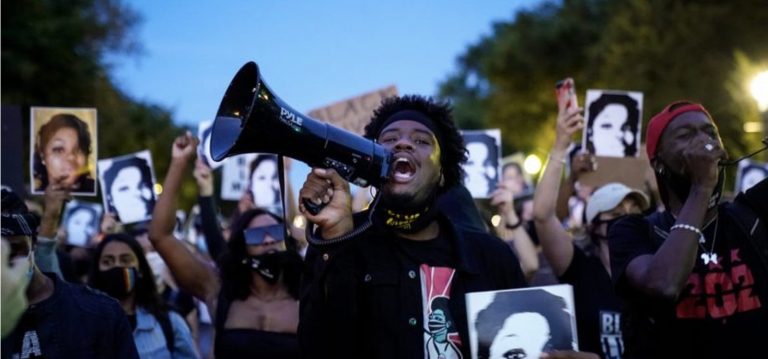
255, 236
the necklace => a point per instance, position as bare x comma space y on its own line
710, 256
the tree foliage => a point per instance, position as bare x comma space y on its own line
669, 50
55, 53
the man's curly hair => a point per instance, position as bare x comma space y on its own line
453, 152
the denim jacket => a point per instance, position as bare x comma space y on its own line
150, 340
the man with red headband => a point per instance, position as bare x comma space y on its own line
694, 278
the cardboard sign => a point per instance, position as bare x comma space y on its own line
613, 123
63, 149
483, 159
523, 321
354, 113
127, 186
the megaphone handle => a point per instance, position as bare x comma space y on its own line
312, 207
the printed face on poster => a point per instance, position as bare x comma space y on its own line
483, 159
204, 130
265, 183
127, 186
81, 222
613, 123
63, 149
525, 322
750, 173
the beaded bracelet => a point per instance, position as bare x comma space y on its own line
691, 228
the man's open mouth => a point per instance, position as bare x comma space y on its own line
403, 170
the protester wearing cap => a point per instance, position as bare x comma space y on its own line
692, 279
390, 281
585, 267
63, 320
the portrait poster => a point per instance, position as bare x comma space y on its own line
127, 186
63, 149
80, 222
235, 176
521, 323
613, 123
179, 230
483, 160
204, 130
264, 183
749, 174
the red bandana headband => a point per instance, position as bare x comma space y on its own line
659, 122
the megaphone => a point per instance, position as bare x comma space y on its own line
251, 119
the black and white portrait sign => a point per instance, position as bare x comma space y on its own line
235, 176
613, 123
264, 183
204, 130
81, 222
750, 173
521, 323
127, 186
483, 159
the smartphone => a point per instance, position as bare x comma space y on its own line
567, 88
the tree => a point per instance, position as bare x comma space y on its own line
55, 54
668, 49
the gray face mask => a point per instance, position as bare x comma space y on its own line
16, 276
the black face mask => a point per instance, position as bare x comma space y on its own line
118, 282
391, 213
269, 265
681, 186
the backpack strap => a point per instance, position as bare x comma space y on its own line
165, 324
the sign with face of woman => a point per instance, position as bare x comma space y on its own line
204, 148
483, 158
521, 323
63, 149
127, 186
613, 123
750, 173
81, 222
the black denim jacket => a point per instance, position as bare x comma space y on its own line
362, 298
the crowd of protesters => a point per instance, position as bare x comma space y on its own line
677, 268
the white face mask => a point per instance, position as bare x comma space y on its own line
158, 269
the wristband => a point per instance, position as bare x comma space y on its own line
514, 226
561, 160
691, 228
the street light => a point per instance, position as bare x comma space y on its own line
759, 89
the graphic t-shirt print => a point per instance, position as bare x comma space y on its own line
441, 337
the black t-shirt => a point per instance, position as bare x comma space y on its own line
437, 252
721, 312
597, 307
437, 262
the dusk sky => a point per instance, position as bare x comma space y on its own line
311, 53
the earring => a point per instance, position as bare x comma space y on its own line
442, 179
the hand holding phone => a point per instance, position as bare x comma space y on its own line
565, 90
